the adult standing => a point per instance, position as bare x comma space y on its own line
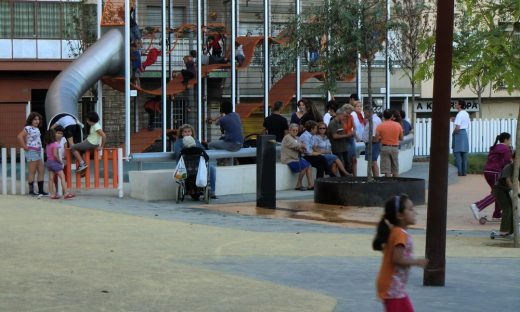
300, 111
350, 131
72, 129
332, 106
30, 140
311, 113
389, 133
275, 123
359, 121
337, 137
499, 156
460, 143
376, 146
232, 134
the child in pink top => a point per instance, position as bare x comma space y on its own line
55, 164
499, 156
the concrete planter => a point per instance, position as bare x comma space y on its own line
348, 191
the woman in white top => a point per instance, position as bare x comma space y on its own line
359, 120
321, 145
30, 140
460, 143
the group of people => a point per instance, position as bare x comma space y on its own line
65, 132
328, 143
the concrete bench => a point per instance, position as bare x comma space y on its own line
152, 185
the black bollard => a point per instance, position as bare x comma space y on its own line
266, 171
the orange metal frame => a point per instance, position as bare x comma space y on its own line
108, 154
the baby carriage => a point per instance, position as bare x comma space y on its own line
187, 185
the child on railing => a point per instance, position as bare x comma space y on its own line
95, 139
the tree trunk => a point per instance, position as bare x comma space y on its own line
368, 151
515, 188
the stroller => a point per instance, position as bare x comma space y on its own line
191, 157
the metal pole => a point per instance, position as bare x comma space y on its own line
434, 274
387, 58
298, 58
266, 58
99, 104
163, 73
127, 79
237, 23
233, 54
199, 70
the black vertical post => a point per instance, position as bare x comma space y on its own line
266, 171
434, 274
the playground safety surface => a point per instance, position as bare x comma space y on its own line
100, 253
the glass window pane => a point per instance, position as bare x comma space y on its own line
48, 20
24, 20
5, 20
71, 22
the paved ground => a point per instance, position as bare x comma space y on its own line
101, 253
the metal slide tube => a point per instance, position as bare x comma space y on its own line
105, 57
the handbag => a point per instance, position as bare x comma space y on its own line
202, 174
180, 172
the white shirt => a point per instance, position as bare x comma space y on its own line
462, 120
376, 121
358, 126
326, 119
66, 121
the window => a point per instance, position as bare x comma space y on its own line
70, 21
23, 18
5, 20
49, 20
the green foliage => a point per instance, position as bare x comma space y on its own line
338, 30
486, 50
413, 38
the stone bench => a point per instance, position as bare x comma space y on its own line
151, 185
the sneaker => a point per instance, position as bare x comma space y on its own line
55, 197
43, 194
475, 211
82, 167
213, 196
68, 195
34, 193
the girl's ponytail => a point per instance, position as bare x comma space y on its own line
383, 231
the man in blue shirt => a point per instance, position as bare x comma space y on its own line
232, 134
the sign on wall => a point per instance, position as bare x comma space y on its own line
425, 106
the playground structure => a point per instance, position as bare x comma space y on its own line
252, 86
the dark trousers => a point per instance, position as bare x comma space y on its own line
320, 163
345, 158
505, 202
187, 75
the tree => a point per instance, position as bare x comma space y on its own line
412, 27
468, 58
499, 45
343, 29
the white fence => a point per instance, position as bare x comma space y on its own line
16, 181
482, 134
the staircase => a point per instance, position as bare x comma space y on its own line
142, 140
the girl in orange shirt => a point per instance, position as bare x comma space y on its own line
397, 247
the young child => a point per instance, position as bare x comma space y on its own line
30, 140
54, 164
95, 139
397, 247
60, 131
